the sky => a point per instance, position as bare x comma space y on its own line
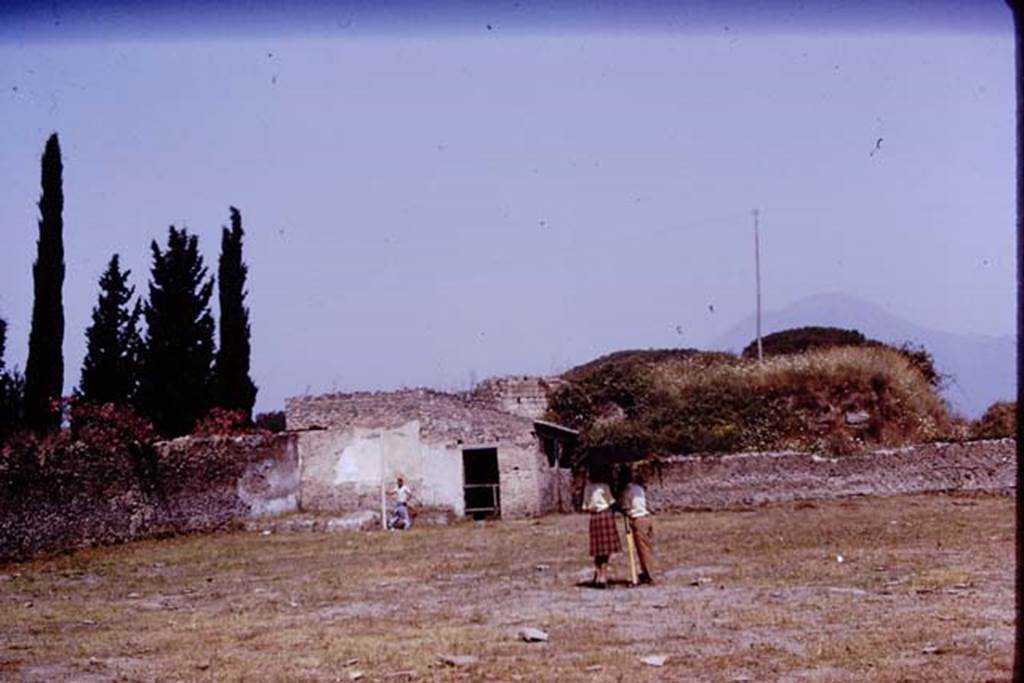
434, 193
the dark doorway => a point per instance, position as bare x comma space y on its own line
480, 480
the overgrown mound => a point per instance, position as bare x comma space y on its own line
838, 399
801, 339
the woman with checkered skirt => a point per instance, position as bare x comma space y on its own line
604, 533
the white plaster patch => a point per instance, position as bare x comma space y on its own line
359, 462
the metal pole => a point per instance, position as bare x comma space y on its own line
757, 269
1018, 31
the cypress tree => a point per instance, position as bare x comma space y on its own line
234, 389
44, 369
174, 388
110, 368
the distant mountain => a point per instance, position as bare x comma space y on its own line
982, 367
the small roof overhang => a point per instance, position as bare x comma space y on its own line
553, 430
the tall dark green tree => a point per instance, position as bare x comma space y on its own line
110, 371
177, 365
44, 369
233, 388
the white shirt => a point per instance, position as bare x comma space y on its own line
634, 501
403, 494
597, 497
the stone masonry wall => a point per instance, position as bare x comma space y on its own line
748, 479
344, 436
74, 500
519, 395
446, 419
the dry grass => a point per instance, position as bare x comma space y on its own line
775, 604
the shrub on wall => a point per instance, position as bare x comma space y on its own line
999, 421
223, 421
273, 422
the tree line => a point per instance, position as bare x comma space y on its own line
155, 355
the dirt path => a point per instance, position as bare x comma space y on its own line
924, 591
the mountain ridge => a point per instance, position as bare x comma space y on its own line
980, 368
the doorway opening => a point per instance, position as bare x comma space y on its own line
480, 482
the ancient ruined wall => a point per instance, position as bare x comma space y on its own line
519, 395
444, 418
724, 481
342, 469
72, 499
420, 434
530, 486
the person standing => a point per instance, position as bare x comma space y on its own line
604, 532
401, 518
633, 501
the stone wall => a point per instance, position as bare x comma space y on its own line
73, 498
747, 479
518, 394
447, 419
348, 442
342, 470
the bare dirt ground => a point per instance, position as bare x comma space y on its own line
924, 592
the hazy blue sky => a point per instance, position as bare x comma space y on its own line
430, 194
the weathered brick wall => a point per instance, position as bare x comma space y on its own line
746, 479
73, 500
519, 395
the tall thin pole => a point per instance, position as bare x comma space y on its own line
757, 270
1018, 31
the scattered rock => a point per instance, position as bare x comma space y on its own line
858, 418
654, 660
840, 559
352, 662
357, 521
933, 650
132, 596
458, 660
406, 675
28, 604
266, 532
355, 675
532, 635
203, 666
594, 669
87, 622
542, 567
700, 581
